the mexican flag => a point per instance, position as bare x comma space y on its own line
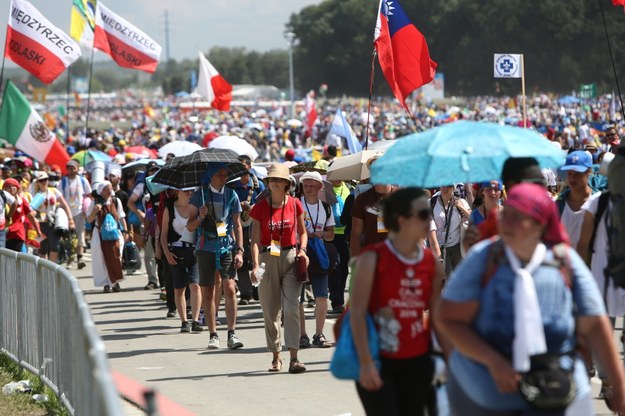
22, 127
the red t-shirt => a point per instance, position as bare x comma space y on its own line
16, 230
400, 294
278, 223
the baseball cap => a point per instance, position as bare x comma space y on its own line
313, 176
74, 163
578, 161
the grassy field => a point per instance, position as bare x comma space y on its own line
18, 404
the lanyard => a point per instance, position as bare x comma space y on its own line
223, 208
271, 225
309, 214
447, 211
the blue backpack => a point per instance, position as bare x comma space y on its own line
109, 229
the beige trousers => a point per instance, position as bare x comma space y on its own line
279, 289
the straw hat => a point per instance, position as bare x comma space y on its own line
279, 171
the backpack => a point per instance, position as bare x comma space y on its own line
604, 200
109, 229
496, 257
131, 260
616, 219
65, 182
172, 235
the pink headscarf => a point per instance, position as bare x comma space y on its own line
532, 200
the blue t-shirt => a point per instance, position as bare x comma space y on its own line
494, 322
476, 217
244, 191
221, 206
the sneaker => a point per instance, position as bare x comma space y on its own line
171, 313
163, 295
189, 315
150, 286
107, 289
213, 343
234, 343
185, 327
320, 341
337, 310
244, 301
196, 327
116, 288
81, 265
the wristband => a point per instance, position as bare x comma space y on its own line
240, 249
304, 249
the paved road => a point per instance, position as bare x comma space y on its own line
146, 346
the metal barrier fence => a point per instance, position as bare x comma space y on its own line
46, 327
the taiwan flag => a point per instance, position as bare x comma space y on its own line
618, 3
402, 51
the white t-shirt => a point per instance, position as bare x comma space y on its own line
573, 220
315, 217
615, 297
454, 226
74, 191
10, 201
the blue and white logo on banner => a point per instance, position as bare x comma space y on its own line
508, 65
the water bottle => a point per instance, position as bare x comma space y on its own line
259, 274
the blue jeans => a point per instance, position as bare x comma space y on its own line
3, 238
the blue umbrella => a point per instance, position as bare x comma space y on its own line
464, 151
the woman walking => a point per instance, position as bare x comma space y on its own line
278, 222
489, 202
106, 253
395, 282
178, 245
46, 201
520, 301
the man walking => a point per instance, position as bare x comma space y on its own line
216, 211
573, 202
247, 189
75, 189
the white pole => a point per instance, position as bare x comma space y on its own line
523, 91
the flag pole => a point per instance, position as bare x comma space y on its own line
89, 91
523, 90
371, 81
607, 37
2, 68
69, 80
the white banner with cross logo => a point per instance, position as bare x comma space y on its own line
508, 65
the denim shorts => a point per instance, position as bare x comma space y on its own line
319, 287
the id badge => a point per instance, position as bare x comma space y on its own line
275, 248
381, 227
222, 229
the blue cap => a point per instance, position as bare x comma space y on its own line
578, 161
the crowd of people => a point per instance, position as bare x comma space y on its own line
521, 254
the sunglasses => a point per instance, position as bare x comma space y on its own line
424, 214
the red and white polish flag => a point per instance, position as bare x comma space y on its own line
128, 45
37, 45
212, 86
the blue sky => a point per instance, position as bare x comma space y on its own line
195, 24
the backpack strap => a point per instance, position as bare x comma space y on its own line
563, 263
494, 259
604, 200
328, 210
433, 202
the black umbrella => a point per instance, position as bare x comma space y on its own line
188, 171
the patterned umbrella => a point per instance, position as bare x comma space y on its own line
188, 171
84, 157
